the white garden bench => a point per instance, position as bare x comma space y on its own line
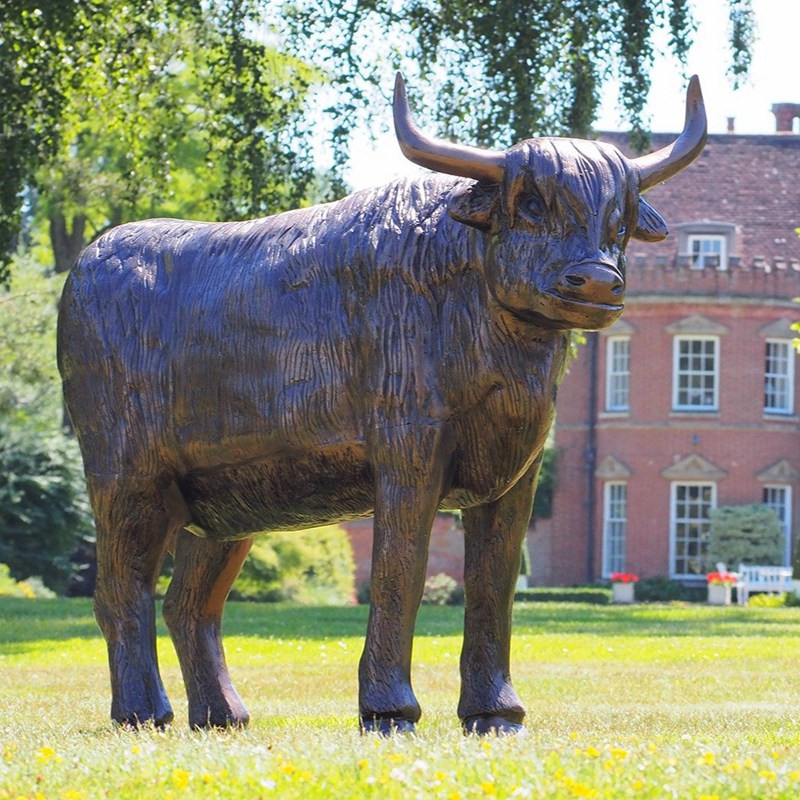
760, 578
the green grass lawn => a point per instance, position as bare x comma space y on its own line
646, 701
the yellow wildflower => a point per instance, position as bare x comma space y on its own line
579, 789
592, 752
180, 778
488, 788
45, 754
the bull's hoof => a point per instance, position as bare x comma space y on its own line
492, 725
135, 721
219, 721
387, 727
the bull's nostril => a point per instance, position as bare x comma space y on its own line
618, 289
576, 280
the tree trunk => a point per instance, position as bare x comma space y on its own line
66, 244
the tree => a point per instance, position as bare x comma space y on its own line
44, 510
499, 70
749, 534
504, 70
104, 93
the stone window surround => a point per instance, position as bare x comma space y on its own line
729, 231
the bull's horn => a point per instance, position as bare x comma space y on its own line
487, 166
664, 163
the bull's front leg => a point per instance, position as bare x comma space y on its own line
493, 537
409, 475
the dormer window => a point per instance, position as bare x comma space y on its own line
705, 244
707, 250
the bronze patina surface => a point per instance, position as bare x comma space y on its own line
392, 353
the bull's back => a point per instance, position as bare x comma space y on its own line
187, 345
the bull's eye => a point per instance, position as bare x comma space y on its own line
535, 209
616, 227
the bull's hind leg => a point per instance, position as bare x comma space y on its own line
204, 573
133, 528
493, 537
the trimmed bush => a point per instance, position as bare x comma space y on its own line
664, 590
749, 534
313, 567
595, 596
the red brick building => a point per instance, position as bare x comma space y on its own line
690, 401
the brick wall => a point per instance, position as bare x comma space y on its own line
739, 439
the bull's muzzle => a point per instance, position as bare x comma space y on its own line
592, 282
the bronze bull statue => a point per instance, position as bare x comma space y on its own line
389, 354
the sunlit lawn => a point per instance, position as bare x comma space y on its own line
646, 701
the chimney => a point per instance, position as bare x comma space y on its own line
784, 116
731, 120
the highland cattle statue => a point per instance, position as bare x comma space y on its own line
388, 354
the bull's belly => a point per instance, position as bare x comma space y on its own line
238, 501
292, 493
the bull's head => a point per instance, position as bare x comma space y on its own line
559, 213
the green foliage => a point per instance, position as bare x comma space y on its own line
769, 600
30, 389
98, 99
749, 534
8, 586
543, 501
661, 590
314, 566
499, 71
439, 590
594, 596
43, 508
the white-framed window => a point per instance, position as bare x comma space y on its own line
695, 374
707, 250
779, 377
779, 499
618, 370
690, 507
615, 523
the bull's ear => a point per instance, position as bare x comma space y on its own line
650, 226
472, 204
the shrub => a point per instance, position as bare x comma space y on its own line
314, 566
439, 590
44, 510
663, 590
749, 534
766, 600
580, 594
8, 586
